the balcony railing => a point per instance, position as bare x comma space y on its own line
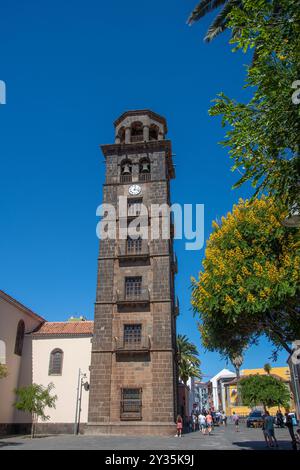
126, 178
144, 176
141, 297
122, 346
137, 138
133, 249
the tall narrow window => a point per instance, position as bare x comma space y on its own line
131, 404
20, 338
134, 207
134, 246
56, 362
2, 352
133, 286
132, 334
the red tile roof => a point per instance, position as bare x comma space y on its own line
65, 328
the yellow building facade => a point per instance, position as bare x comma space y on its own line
231, 390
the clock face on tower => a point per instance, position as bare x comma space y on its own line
134, 189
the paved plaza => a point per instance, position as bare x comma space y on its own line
222, 438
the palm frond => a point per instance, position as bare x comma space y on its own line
220, 22
204, 7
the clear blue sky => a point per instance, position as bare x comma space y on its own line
71, 68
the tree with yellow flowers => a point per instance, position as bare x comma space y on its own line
249, 285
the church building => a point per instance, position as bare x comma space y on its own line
118, 374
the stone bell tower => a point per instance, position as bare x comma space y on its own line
133, 387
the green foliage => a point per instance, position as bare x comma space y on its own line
264, 390
250, 282
264, 133
34, 399
188, 361
3, 371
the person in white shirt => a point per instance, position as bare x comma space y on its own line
202, 423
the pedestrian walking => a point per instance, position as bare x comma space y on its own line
266, 437
269, 430
194, 421
235, 419
290, 426
209, 422
179, 426
224, 419
202, 423
279, 419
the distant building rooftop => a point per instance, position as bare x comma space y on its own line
69, 328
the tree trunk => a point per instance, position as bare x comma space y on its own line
265, 408
276, 330
33, 427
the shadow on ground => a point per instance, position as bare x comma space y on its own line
5, 444
259, 445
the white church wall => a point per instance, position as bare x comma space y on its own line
76, 355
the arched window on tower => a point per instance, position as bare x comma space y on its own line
137, 133
126, 171
56, 362
20, 338
153, 132
121, 135
145, 170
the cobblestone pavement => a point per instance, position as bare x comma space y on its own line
222, 438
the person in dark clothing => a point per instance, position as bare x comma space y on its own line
289, 425
279, 419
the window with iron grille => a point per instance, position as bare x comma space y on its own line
131, 403
134, 207
56, 360
133, 286
132, 334
134, 245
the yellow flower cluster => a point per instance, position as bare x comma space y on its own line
245, 271
250, 298
272, 272
237, 234
241, 267
258, 268
265, 293
229, 300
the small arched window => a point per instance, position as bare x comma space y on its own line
2, 352
153, 132
56, 362
137, 132
121, 135
20, 338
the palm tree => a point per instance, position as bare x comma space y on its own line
188, 361
267, 368
220, 22
237, 361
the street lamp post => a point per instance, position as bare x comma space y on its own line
80, 385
